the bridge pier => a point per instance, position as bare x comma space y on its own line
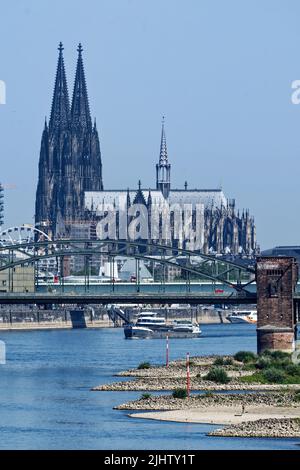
78, 318
276, 279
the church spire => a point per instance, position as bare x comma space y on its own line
60, 110
163, 168
80, 111
163, 154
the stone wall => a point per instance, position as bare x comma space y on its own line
276, 278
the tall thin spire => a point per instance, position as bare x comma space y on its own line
163, 168
80, 111
60, 110
163, 154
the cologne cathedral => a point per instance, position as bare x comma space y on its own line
70, 158
71, 200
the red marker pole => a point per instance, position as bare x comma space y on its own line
188, 379
167, 352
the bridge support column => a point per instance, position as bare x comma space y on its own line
276, 279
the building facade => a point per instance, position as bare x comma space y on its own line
18, 279
71, 200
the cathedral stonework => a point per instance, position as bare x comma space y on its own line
70, 157
71, 201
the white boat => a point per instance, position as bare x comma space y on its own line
243, 316
187, 326
150, 325
151, 320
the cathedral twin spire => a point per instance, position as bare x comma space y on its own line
70, 156
61, 113
80, 110
78, 116
60, 110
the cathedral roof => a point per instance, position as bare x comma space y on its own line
101, 200
207, 197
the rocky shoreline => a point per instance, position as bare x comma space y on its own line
167, 402
156, 384
272, 427
161, 378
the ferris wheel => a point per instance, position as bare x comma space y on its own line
24, 234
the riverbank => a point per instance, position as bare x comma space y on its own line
52, 325
156, 385
263, 414
258, 422
162, 378
231, 401
271, 427
251, 414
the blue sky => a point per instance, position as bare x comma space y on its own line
220, 71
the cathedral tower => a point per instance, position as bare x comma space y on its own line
70, 157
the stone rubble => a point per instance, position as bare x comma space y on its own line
167, 402
272, 427
156, 384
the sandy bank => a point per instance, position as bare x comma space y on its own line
221, 414
264, 414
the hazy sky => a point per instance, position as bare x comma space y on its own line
220, 71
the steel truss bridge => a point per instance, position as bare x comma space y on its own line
202, 274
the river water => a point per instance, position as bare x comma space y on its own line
46, 402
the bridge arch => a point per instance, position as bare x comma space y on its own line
210, 267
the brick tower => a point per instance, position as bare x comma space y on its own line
276, 279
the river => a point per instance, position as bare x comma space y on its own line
46, 402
